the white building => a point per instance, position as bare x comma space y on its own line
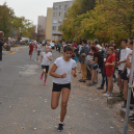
59, 11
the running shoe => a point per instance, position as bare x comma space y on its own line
90, 84
107, 94
82, 80
120, 95
60, 128
45, 83
100, 88
41, 77
131, 117
95, 82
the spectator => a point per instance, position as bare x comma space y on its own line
85, 50
88, 72
74, 44
64, 44
110, 64
123, 74
59, 46
94, 51
96, 43
103, 69
1, 44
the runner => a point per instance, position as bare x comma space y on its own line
1, 44
61, 72
46, 57
31, 47
38, 49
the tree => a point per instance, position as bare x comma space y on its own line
6, 15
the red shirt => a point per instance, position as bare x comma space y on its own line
110, 59
75, 45
31, 47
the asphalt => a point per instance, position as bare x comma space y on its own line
25, 102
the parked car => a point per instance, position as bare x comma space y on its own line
52, 45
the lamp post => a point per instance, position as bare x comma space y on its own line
130, 87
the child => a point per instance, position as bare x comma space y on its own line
89, 64
46, 57
110, 64
61, 72
38, 49
31, 47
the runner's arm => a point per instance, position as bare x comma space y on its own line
40, 60
74, 73
50, 58
53, 74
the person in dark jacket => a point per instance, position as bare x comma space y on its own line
85, 50
1, 43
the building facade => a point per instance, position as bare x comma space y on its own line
49, 24
59, 11
41, 30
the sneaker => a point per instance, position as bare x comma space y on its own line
82, 80
131, 117
95, 82
120, 95
41, 77
60, 128
132, 120
107, 94
45, 83
100, 88
90, 84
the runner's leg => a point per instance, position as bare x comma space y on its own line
64, 101
45, 76
55, 99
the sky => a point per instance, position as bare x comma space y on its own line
31, 9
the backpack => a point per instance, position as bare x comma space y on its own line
101, 58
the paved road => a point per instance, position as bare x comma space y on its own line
25, 103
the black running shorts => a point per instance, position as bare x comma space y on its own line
45, 67
59, 87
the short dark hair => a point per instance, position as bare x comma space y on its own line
84, 41
131, 38
68, 48
131, 42
125, 40
96, 41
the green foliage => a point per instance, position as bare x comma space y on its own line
109, 19
9, 23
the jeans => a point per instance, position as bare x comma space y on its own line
104, 79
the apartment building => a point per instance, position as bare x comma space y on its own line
59, 11
41, 30
49, 24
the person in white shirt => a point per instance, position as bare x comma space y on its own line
50, 48
61, 72
122, 73
45, 59
38, 49
64, 44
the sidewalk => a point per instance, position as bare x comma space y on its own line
14, 49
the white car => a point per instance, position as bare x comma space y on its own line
52, 45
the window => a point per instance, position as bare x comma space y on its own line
54, 28
55, 7
65, 14
60, 13
65, 7
54, 21
60, 6
55, 14
60, 21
